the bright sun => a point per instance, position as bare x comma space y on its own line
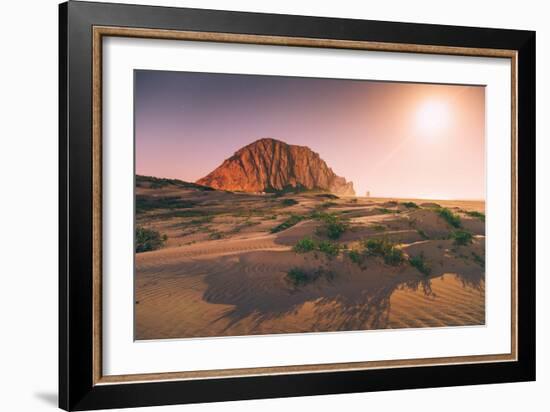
432, 117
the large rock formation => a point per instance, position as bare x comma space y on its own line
268, 165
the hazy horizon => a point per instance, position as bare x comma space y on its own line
403, 140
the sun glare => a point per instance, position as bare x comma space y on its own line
432, 117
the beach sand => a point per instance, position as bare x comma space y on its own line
224, 271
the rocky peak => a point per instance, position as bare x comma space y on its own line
268, 165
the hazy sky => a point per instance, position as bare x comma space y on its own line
392, 139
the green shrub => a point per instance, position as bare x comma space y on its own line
148, 239
376, 246
461, 237
378, 228
335, 229
305, 245
394, 257
420, 264
300, 277
479, 215
410, 205
451, 218
385, 210
329, 248
356, 256
289, 202
308, 244
384, 248
333, 225
291, 221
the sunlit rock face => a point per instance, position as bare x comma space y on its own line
269, 165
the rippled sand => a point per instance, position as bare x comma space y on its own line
202, 286
174, 306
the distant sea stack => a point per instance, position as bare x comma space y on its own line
269, 165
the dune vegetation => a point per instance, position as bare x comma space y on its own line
221, 263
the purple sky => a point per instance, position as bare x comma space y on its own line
392, 139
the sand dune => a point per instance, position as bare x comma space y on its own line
226, 274
247, 294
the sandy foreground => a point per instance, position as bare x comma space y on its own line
224, 271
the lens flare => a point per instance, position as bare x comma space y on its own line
432, 118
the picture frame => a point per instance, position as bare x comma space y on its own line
83, 27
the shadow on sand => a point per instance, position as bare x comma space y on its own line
353, 299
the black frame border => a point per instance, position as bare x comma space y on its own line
76, 386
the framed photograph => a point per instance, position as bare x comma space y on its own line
257, 205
